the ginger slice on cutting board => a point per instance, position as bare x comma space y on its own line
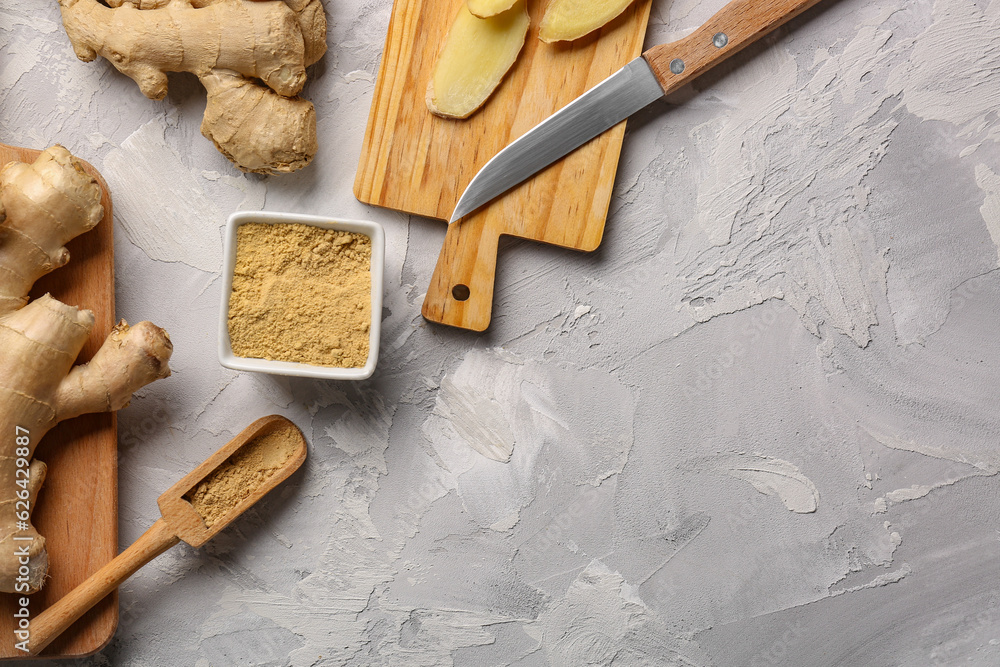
487, 8
475, 57
566, 20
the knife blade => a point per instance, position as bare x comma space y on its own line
659, 71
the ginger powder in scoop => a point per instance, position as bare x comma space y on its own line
243, 473
301, 294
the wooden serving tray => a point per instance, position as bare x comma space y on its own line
77, 507
416, 162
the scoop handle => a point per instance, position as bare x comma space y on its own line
735, 26
54, 620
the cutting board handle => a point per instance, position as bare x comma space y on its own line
461, 289
732, 28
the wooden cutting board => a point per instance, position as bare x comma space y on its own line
77, 507
416, 162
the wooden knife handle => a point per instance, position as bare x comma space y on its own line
735, 26
54, 620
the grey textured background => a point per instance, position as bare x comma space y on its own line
758, 426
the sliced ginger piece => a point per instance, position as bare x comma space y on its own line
566, 20
476, 55
487, 8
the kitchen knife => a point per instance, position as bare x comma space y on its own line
658, 71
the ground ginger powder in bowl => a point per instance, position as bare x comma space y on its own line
301, 294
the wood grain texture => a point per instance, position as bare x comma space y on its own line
416, 162
185, 521
77, 507
179, 521
61, 615
742, 22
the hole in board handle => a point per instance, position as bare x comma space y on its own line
461, 292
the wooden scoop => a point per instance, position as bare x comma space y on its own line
180, 521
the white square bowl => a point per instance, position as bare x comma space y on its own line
370, 229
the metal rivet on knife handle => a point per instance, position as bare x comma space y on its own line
676, 65
720, 40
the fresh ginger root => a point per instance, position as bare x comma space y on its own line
42, 206
250, 56
475, 58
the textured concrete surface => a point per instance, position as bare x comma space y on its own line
758, 426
